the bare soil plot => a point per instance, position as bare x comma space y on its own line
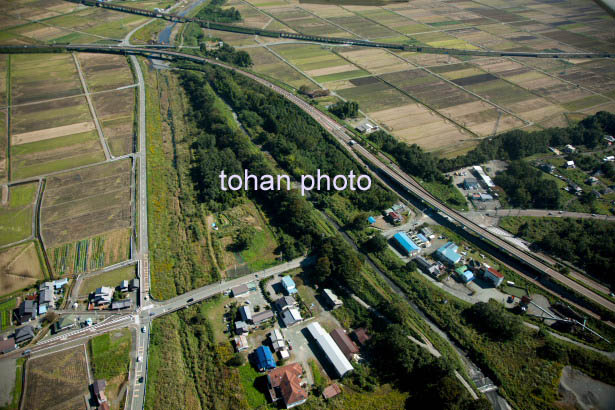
86, 203
104, 71
20, 267
57, 381
16, 215
36, 77
267, 63
115, 111
376, 61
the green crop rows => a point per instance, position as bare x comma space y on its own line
97, 254
60, 256
81, 257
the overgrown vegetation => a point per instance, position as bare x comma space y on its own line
344, 109
587, 243
518, 144
214, 12
526, 187
110, 354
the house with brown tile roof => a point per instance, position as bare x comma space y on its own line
285, 383
346, 345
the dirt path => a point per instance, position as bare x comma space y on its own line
212, 254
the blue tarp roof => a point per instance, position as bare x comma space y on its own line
467, 276
60, 282
422, 237
405, 242
449, 251
264, 358
371, 220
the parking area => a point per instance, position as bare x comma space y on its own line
472, 187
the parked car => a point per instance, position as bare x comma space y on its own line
143, 329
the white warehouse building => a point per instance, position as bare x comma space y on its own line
484, 177
330, 349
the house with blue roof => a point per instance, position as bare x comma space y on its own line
405, 244
264, 359
289, 285
448, 254
58, 284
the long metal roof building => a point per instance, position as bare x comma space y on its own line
330, 348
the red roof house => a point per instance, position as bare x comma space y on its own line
285, 383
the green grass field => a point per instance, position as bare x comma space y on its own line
6, 308
112, 278
58, 165
110, 354
16, 218
248, 379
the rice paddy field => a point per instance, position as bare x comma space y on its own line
87, 203
115, 111
16, 214
444, 103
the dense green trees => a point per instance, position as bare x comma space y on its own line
344, 109
214, 12
411, 158
526, 187
517, 144
493, 319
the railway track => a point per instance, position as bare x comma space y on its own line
212, 25
392, 172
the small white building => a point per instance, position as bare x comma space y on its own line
570, 164
291, 316
492, 275
570, 149
332, 299
241, 343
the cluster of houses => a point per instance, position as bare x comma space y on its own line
102, 298
39, 303
286, 383
447, 256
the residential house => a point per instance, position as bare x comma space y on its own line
448, 254
246, 313
46, 294
99, 387
464, 274
344, 342
60, 283
241, 327
121, 304
285, 383
394, 217
27, 311
276, 340
24, 334
124, 286
331, 299
241, 343
260, 317
264, 359
285, 302
289, 285
240, 290
134, 284
103, 295
569, 149
427, 267
492, 275
570, 165
291, 316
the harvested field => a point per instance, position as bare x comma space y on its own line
115, 111
86, 203
57, 381
20, 267
49, 133
90, 254
415, 124
37, 77
374, 95
105, 72
375, 61
3, 67
304, 22
16, 215
50, 115
268, 64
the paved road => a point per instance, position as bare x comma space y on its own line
538, 212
